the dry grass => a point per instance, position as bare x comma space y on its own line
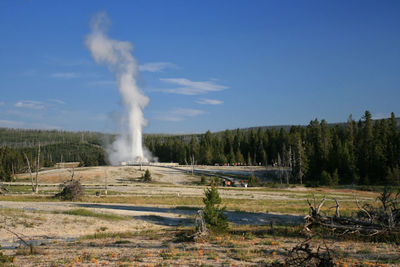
292, 203
141, 241
244, 246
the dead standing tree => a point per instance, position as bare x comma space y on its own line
37, 170
35, 187
192, 163
29, 169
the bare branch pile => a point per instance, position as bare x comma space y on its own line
369, 221
3, 189
201, 227
72, 190
303, 255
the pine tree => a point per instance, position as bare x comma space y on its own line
213, 214
147, 176
253, 181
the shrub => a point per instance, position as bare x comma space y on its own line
147, 176
217, 181
214, 215
5, 259
393, 176
253, 181
328, 179
203, 180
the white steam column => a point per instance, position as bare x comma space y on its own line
118, 57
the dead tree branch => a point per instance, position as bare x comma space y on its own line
303, 255
370, 220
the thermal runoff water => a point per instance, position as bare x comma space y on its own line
117, 55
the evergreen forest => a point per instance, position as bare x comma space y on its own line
365, 152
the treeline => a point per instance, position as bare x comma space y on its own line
17, 138
13, 160
363, 152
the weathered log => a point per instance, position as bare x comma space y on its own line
375, 225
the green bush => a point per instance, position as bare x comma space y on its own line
213, 214
147, 176
217, 181
5, 259
253, 181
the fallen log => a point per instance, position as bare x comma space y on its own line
370, 221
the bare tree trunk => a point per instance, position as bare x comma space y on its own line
287, 177
30, 171
37, 170
105, 182
192, 163
13, 171
72, 173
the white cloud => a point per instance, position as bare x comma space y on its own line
39, 125
65, 75
156, 66
188, 87
380, 116
58, 101
205, 101
30, 104
11, 124
30, 125
180, 114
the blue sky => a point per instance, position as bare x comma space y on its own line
204, 64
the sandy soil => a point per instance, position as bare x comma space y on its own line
58, 235
164, 248
38, 221
112, 174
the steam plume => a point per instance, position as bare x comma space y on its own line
118, 57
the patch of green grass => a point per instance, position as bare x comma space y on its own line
19, 189
89, 213
28, 198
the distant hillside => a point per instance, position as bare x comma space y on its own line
19, 138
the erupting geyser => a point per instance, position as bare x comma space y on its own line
117, 56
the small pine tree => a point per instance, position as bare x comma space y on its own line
253, 181
328, 179
214, 215
393, 176
335, 177
147, 176
203, 179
